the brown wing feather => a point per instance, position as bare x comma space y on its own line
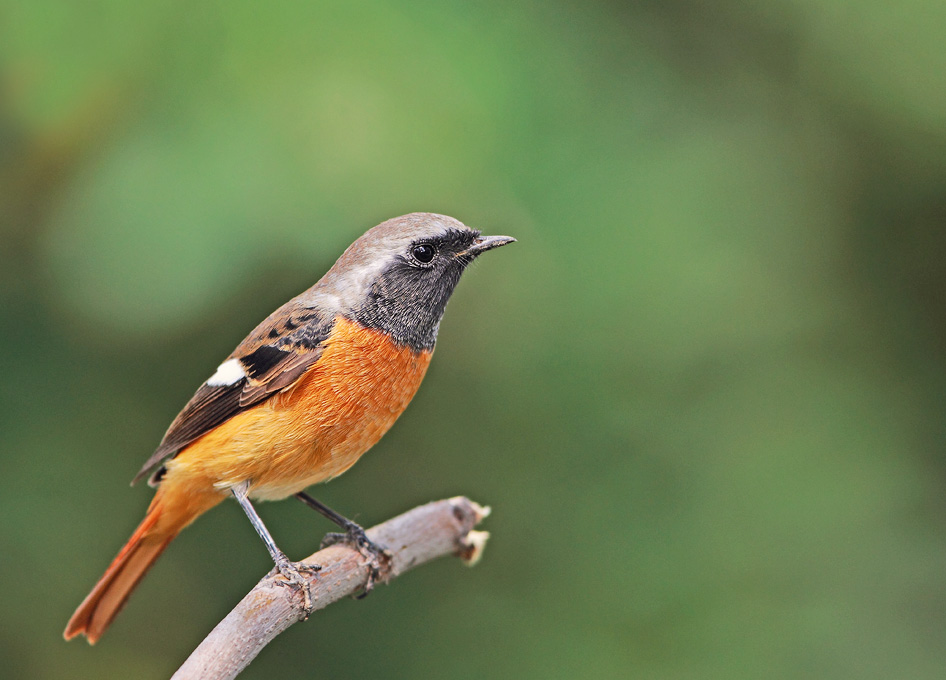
273, 356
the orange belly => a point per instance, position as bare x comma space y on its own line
316, 429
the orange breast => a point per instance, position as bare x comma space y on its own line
316, 429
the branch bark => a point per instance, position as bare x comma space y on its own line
418, 536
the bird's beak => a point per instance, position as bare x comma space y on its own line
484, 243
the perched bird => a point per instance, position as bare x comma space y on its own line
312, 388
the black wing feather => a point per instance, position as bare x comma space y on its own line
261, 361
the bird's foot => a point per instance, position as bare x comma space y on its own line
379, 559
294, 573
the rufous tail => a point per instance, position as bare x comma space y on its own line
166, 516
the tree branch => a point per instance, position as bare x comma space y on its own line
418, 536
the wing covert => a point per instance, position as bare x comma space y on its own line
272, 358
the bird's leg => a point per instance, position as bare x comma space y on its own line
290, 570
354, 537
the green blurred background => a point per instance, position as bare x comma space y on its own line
703, 393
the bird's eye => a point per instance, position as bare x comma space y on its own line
423, 252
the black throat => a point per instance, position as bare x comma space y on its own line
408, 304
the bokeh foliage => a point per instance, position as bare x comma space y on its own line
703, 393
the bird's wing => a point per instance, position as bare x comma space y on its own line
272, 358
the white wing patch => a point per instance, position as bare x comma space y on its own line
228, 372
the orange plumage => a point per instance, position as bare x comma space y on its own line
314, 430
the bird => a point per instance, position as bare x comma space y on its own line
312, 388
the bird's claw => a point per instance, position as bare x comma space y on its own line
378, 558
293, 573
